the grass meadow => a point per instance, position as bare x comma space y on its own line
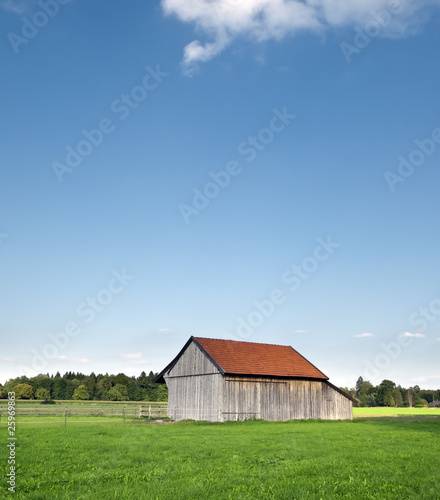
378, 455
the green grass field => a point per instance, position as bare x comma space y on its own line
93, 458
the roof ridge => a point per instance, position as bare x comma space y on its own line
244, 342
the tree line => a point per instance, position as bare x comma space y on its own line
388, 393
79, 386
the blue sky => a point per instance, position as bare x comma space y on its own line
260, 171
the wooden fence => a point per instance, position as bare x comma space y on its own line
134, 410
153, 411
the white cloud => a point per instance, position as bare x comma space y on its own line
12, 360
413, 335
75, 360
427, 379
136, 355
364, 335
219, 22
300, 331
163, 330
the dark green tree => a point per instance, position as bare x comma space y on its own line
385, 393
398, 400
90, 384
69, 389
59, 388
42, 393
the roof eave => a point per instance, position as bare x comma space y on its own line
265, 375
324, 376
354, 400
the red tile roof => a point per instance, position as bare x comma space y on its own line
249, 358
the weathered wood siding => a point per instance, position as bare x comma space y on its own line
193, 362
275, 399
195, 387
197, 390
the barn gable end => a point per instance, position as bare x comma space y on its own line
193, 361
217, 380
194, 383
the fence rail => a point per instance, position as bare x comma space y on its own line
58, 410
151, 411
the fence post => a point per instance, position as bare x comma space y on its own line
65, 417
124, 414
149, 411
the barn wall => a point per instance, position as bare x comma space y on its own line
255, 398
195, 387
195, 397
276, 399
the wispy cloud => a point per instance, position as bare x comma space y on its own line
163, 330
136, 355
300, 331
427, 378
18, 8
9, 360
364, 335
75, 360
413, 335
220, 22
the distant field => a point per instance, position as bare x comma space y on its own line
358, 412
367, 458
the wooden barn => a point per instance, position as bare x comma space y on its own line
218, 380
